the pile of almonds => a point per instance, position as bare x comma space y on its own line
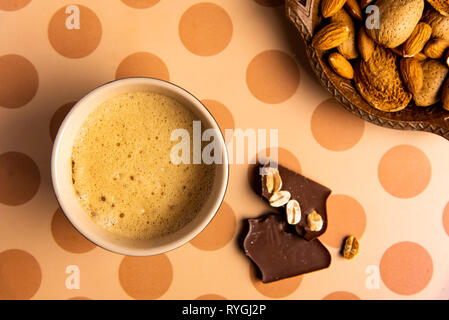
402, 55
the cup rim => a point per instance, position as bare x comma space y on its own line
167, 247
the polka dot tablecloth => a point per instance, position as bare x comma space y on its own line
241, 58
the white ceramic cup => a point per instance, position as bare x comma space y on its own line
62, 175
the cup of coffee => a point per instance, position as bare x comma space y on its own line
139, 166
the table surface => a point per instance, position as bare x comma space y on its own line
243, 60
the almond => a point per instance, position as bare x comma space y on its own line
446, 58
412, 74
445, 95
435, 74
397, 19
348, 48
331, 7
365, 45
417, 40
379, 82
435, 48
438, 22
331, 36
341, 66
354, 9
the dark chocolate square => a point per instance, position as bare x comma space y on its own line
280, 253
310, 195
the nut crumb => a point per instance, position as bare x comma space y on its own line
314, 221
280, 198
293, 210
351, 247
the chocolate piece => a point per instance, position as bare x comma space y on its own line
280, 253
310, 195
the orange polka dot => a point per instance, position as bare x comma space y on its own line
19, 178
341, 295
404, 171
58, 118
346, 217
406, 268
218, 232
276, 289
146, 277
211, 296
446, 219
221, 114
140, 4
13, 5
142, 64
272, 76
20, 275
66, 236
334, 128
19, 80
205, 29
270, 3
70, 38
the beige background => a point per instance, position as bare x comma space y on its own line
389, 187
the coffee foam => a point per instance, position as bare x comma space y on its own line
122, 172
